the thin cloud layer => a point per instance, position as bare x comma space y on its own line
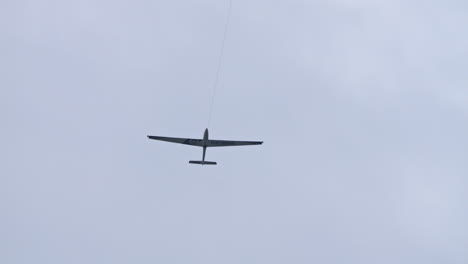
361, 104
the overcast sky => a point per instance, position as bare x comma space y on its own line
363, 107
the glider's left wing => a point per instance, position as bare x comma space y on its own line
185, 141
230, 143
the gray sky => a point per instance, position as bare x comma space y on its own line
363, 107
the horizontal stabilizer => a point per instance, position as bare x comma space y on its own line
202, 162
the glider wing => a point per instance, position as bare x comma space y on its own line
230, 143
185, 141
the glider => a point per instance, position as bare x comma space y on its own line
205, 143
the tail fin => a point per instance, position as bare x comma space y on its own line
202, 162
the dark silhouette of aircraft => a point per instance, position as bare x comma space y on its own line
206, 143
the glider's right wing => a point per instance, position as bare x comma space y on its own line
185, 141
230, 143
